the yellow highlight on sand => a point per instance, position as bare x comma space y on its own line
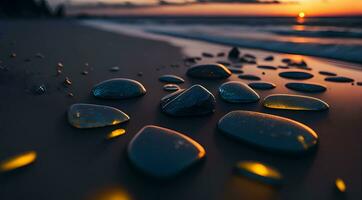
259, 169
116, 133
18, 161
340, 185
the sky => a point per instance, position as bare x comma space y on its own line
229, 7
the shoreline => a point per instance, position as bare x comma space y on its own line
157, 35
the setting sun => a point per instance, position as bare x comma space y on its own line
301, 14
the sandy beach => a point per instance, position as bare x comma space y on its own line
77, 164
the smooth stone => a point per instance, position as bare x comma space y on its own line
269, 132
327, 73
296, 75
221, 54
209, 71
237, 92
306, 87
235, 70
259, 172
339, 79
82, 115
162, 152
114, 69
171, 79
249, 77
118, 88
262, 85
267, 67
269, 58
208, 55
234, 53
194, 101
170, 97
171, 87
294, 102
41, 89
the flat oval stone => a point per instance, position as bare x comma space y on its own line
237, 92
269, 132
339, 79
249, 77
259, 172
118, 88
269, 58
194, 101
296, 75
262, 85
83, 115
235, 70
171, 87
209, 71
162, 152
267, 67
294, 102
168, 78
327, 73
306, 87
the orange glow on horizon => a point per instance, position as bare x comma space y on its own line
313, 8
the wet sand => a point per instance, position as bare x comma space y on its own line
76, 164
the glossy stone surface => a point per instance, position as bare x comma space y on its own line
118, 88
294, 102
82, 115
209, 71
267, 67
339, 79
259, 172
269, 132
162, 152
249, 77
306, 87
194, 101
168, 78
170, 97
237, 92
296, 75
325, 73
171, 87
262, 85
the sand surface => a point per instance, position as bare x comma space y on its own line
77, 164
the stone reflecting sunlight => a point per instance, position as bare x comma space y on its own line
18, 161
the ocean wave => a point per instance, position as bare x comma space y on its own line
350, 53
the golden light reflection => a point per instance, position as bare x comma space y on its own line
110, 193
340, 185
259, 169
18, 161
116, 133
